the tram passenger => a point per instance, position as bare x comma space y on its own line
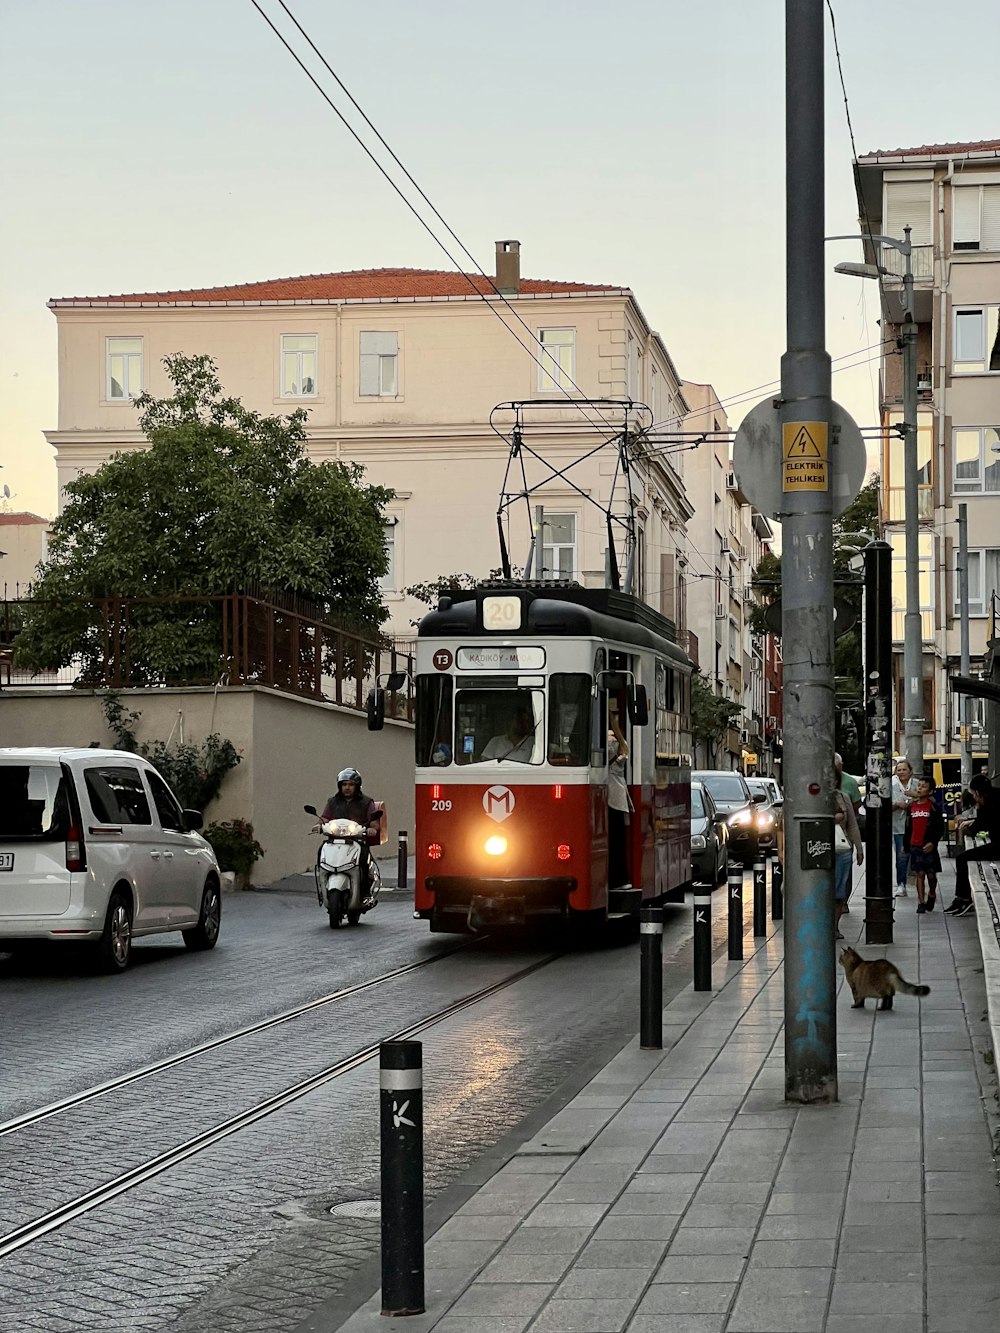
517, 742
619, 805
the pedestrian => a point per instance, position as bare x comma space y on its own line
903, 791
847, 847
987, 820
619, 806
924, 829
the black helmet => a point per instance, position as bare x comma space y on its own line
349, 775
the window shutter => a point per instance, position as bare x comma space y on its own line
965, 217
908, 204
990, 237
667, 586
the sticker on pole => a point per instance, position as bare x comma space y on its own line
804, 449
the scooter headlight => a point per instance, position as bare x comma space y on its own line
495, 846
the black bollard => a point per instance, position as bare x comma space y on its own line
651, 978
401, 1082
702, 940
735, 910
402, 862
777, 897
759, 896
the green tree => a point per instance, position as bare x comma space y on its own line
711, 714
224, 500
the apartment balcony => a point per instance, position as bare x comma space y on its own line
926, 628
922, 264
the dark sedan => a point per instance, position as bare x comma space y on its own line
709, 838
732, 799
767, 813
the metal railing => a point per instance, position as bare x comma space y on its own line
922, 259
232, 640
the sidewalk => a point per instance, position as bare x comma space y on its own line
679, 1193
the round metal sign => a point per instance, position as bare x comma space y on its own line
757, 459
845, 617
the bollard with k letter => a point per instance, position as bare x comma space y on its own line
777, 897
402, 1124
402, 861
735, 910
651, 978
702, 937
759, 895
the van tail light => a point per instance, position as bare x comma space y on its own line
76, 858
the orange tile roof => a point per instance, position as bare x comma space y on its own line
22, 519
370, 284
935, 150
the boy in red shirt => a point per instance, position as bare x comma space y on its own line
924, 830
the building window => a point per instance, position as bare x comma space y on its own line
984, 580
926, 585
299, 354
379, 377
558, 547
976, 217
654, 392
977, 340
388, 580
124, 369
557, 357
977, 460
633, 368
895, 486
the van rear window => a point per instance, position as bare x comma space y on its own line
33, 803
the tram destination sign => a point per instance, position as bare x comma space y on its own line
523, 657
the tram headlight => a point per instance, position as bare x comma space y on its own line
495, 846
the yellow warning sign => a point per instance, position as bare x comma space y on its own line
805, 466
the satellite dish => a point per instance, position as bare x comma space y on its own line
6, 492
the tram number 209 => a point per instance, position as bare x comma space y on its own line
441, 805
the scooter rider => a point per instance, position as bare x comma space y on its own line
350, 802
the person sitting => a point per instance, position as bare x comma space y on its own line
350, 801
987, 820
517, 743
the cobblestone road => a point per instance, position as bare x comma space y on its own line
241, 1237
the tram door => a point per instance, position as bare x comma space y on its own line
627, 862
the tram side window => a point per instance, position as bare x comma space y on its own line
433, 729
569, 719
494, 725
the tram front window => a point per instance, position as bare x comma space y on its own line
569, 719
493, 725
433, 720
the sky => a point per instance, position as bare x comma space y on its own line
149, 146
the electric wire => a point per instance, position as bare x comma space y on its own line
556, 370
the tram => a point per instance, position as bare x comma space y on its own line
514, 686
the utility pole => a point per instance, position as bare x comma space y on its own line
807, 582
963, 612
878, 763
913, 635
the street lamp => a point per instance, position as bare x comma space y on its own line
913, 643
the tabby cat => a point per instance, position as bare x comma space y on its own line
875, 980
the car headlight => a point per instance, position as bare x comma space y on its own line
765, 821
742, 819
698, 843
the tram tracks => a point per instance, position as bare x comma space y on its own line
53, 1218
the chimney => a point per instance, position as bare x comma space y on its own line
508, 278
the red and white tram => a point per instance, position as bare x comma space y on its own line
513, 688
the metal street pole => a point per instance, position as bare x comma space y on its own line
963, 611
878, 763
913, 635
807, 582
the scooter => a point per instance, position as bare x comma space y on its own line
338, 871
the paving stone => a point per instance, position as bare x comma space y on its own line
630, 1253
488, 1298
794, 1254
507, 1267
583, 1316
877, 1298
700, 1268
639, 1226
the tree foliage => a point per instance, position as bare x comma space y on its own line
711, 714
432, 589
224, 500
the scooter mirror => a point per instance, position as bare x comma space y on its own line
376, 709
395, 680
309, 809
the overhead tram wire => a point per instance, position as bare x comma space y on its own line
555, 370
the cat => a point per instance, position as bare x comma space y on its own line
875, 980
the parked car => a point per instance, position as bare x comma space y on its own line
709, 838
732, 799
767, 812
95, 847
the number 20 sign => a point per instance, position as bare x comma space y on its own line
501, 613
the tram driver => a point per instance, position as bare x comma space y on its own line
518, 742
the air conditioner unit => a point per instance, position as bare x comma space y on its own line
725, 548
721, 613
924, 384
731, 483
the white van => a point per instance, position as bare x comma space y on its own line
95, 846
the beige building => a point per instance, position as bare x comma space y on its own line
400, 370
949, 195
23, 544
